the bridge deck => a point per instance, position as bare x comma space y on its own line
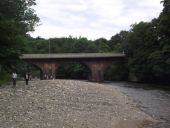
72, 55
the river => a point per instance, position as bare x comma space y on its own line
152, 99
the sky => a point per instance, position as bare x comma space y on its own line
92, 19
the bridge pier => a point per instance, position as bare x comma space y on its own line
97, 68
48, 69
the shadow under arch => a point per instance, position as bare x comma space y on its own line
73, 70
116, 71
35, 71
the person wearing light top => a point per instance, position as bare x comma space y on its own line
27, 78
14, 77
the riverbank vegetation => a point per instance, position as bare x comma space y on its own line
146, 44
16, 19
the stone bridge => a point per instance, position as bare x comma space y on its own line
96, 62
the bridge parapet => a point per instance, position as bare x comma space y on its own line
72, 55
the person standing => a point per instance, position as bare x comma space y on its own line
26, 78
45, 76
14, 78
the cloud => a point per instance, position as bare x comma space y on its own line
92, 18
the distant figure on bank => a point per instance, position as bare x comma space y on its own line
51, 77
45, 76
14, 78
27, 78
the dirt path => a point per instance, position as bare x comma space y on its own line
69, 104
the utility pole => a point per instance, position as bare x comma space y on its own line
49, 47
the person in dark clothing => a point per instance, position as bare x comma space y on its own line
27, 78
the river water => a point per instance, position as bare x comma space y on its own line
152, 99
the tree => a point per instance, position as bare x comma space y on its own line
85, 46
149, 48
142, 42
16, 19
162, 57
102, 45
117, 42
164, 23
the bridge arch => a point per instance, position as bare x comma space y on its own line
73, 70
38, 68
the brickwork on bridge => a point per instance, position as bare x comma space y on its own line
97, 63
97, 68
48, 68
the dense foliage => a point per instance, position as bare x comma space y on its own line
16, 19
72, 71
148, 48
66, 45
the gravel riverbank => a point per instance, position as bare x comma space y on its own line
69, 104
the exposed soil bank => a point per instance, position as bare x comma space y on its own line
69, 104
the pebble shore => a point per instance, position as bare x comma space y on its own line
69, 104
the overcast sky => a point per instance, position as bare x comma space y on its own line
92, 18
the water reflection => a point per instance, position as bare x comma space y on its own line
153, 99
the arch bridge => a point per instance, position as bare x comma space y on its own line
96, 62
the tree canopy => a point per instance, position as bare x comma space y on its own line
16, 19
148, 48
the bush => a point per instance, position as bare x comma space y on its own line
4, 77
116, 72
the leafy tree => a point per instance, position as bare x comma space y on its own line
37, 45
149, 48
118, 42
161, 57
102, 45
142, 41
85, 46
164, 23
16, 19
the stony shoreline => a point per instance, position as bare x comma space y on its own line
69, 104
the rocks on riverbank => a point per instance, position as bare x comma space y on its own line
69, 104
